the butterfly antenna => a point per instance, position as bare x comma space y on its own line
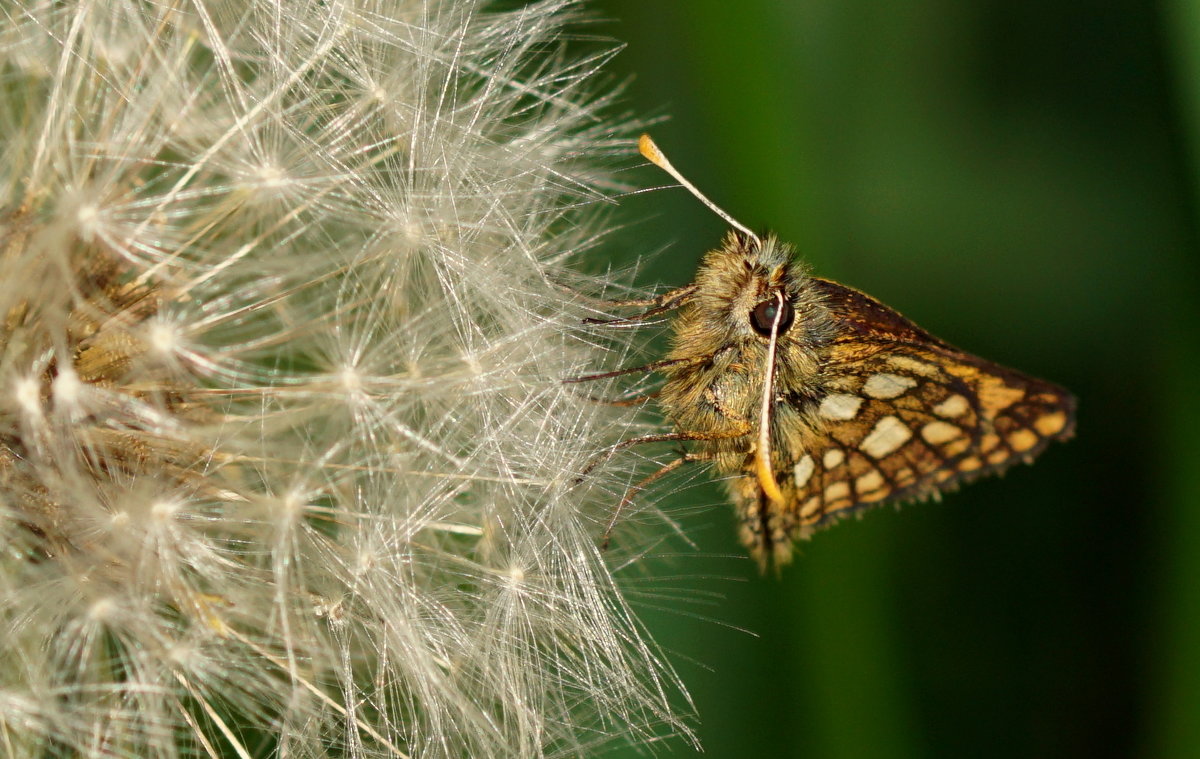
762, 455
655, 156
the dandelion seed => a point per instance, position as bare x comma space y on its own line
27, 394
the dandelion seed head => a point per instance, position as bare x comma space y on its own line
67, 388
283, 439
184, 655
163, 339
516, 576
87, 220
27, 394
102, 610
351, 381
270, 176
292, 507
164, 510
413, 233
364, 562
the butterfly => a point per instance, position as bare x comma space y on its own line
816, 401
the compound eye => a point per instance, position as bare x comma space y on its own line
763, 316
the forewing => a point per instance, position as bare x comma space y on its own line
906, 415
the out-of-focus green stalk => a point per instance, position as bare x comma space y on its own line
1173, 729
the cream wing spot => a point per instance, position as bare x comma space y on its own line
837, 491
1022, 440
883, 386
955, 405
910, 365
1051, 424
885, 438
803, 471
840, 406
810, 507
938, 432
869, 483
956, 447
833, 457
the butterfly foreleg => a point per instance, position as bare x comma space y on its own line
739, 430
653, 366
623, 401
668, 301
642, 484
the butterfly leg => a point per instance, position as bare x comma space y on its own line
742, 429
761, 531
653, 366
629, 400
641, 485
668, 301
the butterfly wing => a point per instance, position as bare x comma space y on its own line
906, 415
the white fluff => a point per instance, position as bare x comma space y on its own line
285, 463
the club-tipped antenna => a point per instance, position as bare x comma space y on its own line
655, 156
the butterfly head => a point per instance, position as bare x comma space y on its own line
760, 326
746, 286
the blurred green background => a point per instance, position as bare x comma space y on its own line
1019, 178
